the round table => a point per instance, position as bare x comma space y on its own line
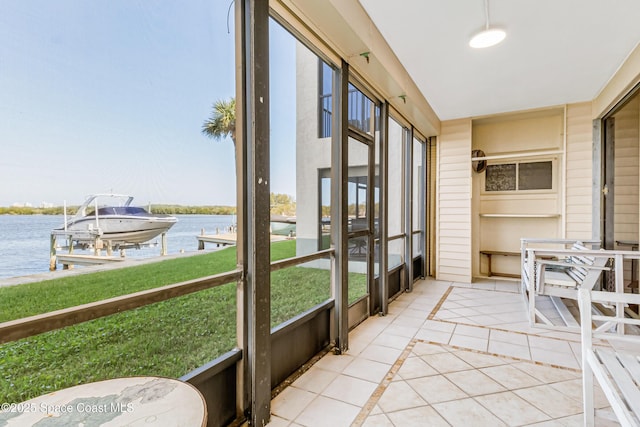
134, 401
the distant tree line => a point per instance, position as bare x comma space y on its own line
159, 209
351, 210
281, 204
56, 210
193, 210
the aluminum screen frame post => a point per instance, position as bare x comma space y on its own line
339, 229
242, 336
408, 209
255, 240
422, 206
383, 274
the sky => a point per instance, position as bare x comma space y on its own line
110, 96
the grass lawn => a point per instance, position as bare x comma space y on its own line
169, 338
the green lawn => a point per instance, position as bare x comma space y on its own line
169, 338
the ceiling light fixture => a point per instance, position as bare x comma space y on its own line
489, 36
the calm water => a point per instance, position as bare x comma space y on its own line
24, 240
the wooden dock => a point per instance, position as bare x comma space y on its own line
227, 239
73, 259
218, 239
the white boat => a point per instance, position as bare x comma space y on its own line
282, 225
112, 218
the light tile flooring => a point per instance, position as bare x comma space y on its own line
447, 354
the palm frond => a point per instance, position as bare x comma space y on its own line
222, 122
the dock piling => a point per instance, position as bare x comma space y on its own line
52, 253
163, 239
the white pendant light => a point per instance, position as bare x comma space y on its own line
489, 36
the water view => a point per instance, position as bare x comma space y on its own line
25, 240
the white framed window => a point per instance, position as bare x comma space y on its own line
519, 176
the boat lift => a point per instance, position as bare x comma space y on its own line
90, 239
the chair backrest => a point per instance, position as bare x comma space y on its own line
587, 277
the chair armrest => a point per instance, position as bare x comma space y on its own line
572, 264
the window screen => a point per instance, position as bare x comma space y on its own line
534, 176
500, 177
520, 176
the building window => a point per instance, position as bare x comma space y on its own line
535, 176
362, 110
325, 85
500, 177
324, 227
519, 176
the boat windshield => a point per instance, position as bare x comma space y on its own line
119, 210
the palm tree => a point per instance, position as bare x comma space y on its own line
222, 122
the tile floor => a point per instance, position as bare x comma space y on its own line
447, 354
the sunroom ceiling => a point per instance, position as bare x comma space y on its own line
556, 51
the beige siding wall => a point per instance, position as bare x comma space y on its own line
578, 219
502, 218
469, 220
627, 153
626, 173
432, 192
453, 254
627, 179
